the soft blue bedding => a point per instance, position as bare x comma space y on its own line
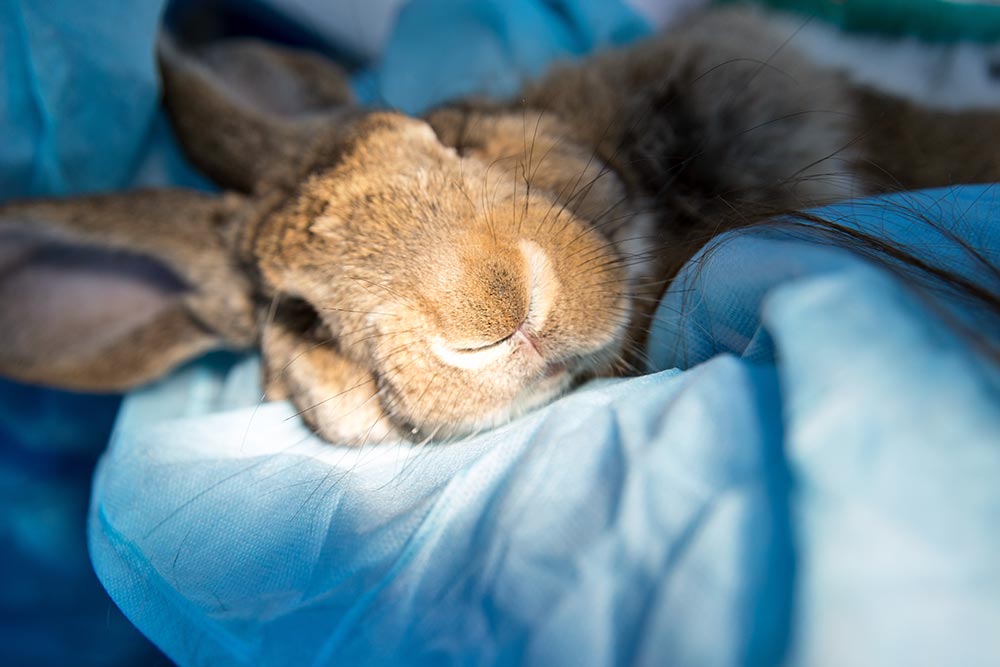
810, 473
818, 480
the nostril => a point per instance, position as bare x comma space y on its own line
529, 338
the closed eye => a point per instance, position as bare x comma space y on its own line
472, 357
486, 346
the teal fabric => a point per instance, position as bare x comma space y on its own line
76, 76
931, 20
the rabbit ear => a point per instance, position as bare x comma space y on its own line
244, 108
107, 292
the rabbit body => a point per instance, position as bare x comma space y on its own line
425, 278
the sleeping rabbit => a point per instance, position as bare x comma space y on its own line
424, 278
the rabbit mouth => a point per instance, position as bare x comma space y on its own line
557, 380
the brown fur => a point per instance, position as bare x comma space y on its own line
911, 147
190, 235
425, 278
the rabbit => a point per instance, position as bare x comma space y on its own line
425, 278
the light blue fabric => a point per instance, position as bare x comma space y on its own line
891, 422
938, 226
822, 486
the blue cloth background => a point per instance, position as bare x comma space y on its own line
815, 479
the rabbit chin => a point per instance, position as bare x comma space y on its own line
535, 395
558, 380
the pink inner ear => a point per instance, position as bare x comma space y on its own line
58, 301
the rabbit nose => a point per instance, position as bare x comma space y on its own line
484, 301
529, 339
512, 293
503, 302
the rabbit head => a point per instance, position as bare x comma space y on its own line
468, 297
401, 277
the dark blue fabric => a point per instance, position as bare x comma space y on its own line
78, 112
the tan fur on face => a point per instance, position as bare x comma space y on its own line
418, 251
415, 258
428, 278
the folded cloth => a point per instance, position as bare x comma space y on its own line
891, 422
818, 485
644, 521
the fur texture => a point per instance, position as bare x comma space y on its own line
425, 278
